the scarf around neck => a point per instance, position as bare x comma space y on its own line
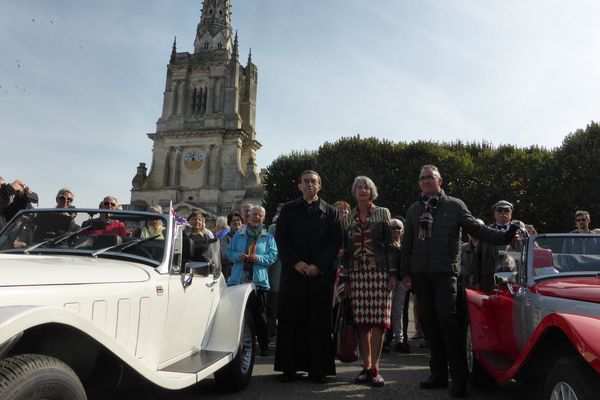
428, 206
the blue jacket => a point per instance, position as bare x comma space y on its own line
265, 249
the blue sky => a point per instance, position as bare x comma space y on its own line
82, 81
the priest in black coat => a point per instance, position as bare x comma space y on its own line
308, 237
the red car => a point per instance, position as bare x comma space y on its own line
541, 325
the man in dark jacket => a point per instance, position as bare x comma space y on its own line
488, 260
430, 261
308, 237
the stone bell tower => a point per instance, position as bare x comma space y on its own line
205, 142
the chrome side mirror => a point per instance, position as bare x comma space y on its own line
186, 279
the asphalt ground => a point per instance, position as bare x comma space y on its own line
402, 374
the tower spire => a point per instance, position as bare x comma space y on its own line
214, 30
235, 46
216, 12
250, 56
174, 49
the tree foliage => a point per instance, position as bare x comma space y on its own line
281, 178
546, 186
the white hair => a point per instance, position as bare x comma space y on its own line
366, 181
396, 222
155, 209
221, 222
260, 208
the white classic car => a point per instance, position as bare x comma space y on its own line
89, 296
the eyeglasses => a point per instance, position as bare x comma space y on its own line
500, 210
427, 178
581, 220
396, 228
64, 198
109, 204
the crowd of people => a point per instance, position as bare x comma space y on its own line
390, 262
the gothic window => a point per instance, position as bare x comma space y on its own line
205, 45
199, 100
219, 46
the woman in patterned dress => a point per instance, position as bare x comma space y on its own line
369, 255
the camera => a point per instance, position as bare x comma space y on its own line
22, 199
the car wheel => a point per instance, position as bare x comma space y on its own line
479, 377
37, 377
571, 379
236, 375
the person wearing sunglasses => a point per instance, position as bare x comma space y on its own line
64, 198
487, 260
104, 224
582, 222
430, 263
399, 331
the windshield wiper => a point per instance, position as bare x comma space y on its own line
56, 240
124, 246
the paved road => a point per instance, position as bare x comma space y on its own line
402, 373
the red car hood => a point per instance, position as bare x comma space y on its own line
584, 289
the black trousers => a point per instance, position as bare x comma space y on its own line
442, 324
257, 304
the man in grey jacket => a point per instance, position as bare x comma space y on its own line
430, 262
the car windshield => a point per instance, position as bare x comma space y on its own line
134, 235
576, 254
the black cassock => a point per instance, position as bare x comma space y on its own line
313, 234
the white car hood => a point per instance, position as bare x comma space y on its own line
28, 270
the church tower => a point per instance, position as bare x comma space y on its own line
205, 141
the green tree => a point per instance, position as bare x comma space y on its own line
546, 186
281, 179
575, 180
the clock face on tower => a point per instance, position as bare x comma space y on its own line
193, 160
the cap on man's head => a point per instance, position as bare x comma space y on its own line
503, 204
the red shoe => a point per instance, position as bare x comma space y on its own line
363, 377
376, 378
